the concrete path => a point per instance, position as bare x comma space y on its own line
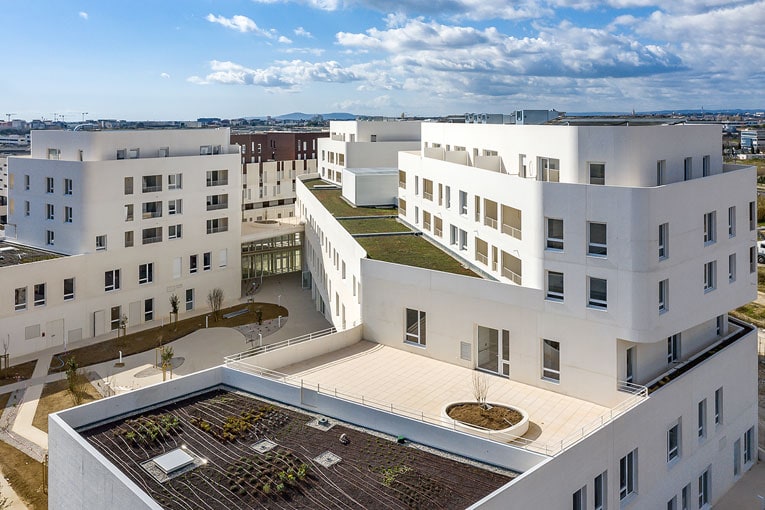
744, 495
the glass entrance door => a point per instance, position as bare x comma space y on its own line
494, 350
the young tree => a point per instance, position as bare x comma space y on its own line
74, 380
167, 361
174, 303
215, 300
480, 387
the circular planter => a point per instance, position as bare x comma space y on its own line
507, 434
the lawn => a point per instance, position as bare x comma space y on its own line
55, 397
145, 340
332, 200
412, 251
761, 278
751, 312
374, 226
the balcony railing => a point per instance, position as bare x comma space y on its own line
491, 222
437, 231
217, 182
151, 189
402, 184
215, 230
215, 207
482, 258
427, 195
151, 240
514, 277
151, 214
511, 231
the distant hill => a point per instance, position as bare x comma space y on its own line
309, 116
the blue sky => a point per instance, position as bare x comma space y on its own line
183, 59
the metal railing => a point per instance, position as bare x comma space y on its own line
483, 258
215, 230
217, 182
550, 449
154, 239
427, 195
515, 277
278, 345
150, 189
511, 231
488, 220
215, 207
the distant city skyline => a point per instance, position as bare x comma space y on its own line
201, 58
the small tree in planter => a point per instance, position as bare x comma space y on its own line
174, 303
215, 300
480, 388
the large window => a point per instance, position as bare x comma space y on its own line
215, 202
146, 273
151, 210
710, 224
20, 298
415, 327
596, 239
710, 276
174, 181
673, 442
68, 289
555, 285
112, 280
151, 235
217, 225
217, 177
628, 475
597, 173
151, 183
597, 293
551, 360
554, 234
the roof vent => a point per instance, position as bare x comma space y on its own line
321, 423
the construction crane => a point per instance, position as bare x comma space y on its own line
8, 116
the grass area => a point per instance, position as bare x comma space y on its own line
372, 226
17, 373
761, 278
751, 312
412, 251
145, 340
55, 397
332, 200
25, 476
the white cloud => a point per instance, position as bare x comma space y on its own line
83, 15
324, 5
282, 74
302, 32
164, 75
239, 23
284, 40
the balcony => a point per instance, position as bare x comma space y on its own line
482, 258
152, 239
216, 182
490, 222
511, 231
427, 195
215, 207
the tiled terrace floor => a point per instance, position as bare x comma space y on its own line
416, 383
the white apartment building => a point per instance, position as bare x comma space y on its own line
609, 257
269, 188
130, 218
3, 190
364, 144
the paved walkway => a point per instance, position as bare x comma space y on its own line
744, 495
205, 348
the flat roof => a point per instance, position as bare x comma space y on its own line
372, 171
306, 467
12, 254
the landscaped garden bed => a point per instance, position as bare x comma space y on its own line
248, 453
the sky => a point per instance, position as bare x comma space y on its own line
184, 59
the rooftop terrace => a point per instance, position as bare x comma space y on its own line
406, 247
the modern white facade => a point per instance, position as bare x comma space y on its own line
138, 215
610, 257
3, 190
269, 188
364, 144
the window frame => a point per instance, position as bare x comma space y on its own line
70, 294
115, 280
663, 241
732, 221
146, 273
551, 243
593, 301
710, 228
600, 178
628, 475
674, 442
597, 249
551, 293
674, 348
551, 354
101, 242
20, 298
414, 318
710, 276
664, 296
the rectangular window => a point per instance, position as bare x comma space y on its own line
49, 186
20, 298
216, 225
661, 172
598, 293
215, 202
67, 214
174, 181
174, 207
463, 202
685, 498
128, 185
597, 173
192, 263
68, 186
68, 289
630, 364
731, 268
151, 183
100, 242
599, 488
128, 212
752, 215
217, 177
26, 207
50, 237
706, 166
596, 239
463, 240
453, 235
704, 489
555, 285
112, 280
448, 197
580, 499
174, 231
128, 239
752, 259
718, 406
177, 269
39, 294
549, 169
551, 360
151, 210
415, 327
663, 296
554, 234
701, 421
189, 299
628, 475
673, 348
710, 276
148, 310
688, 169
134, 153
151, 235
732, 221
49, 211
710, 223
673, 442
207, 261
146, 273
737, 457
116, 317
672, 503
223, 258
749, 445
663, 241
